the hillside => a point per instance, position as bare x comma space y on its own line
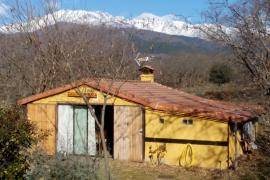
146, 40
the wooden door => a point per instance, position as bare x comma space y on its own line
128, 131
76, 130
43, 116
65, 129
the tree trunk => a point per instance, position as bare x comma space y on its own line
104, 146
106, 161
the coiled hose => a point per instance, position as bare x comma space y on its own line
186, 157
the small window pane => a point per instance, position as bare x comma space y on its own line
187, 121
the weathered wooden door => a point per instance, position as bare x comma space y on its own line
65, 129
128, 132
43, 116
76, 130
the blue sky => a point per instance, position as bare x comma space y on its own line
129, 8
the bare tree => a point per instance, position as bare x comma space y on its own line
59, 53
42, 58
244, 28
109, 93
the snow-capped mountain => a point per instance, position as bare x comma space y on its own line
168, 24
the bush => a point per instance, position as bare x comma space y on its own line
56, 167
16, 138
220, 74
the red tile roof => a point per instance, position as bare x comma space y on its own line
162, 98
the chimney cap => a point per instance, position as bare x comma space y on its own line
146, 69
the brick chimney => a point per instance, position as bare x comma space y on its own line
147, 73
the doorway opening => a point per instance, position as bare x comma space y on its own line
108, 129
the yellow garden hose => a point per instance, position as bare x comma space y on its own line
187, 156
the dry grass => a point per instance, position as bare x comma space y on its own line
146, 171
79, 167
255, 166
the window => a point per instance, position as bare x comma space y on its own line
187, 121
161, 120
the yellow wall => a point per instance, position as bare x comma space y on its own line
64, 98
207, 156
210, 156
147, 77
174, 128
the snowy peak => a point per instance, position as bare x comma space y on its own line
168, 24
147, 16
87, 17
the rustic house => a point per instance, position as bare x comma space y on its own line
144, 121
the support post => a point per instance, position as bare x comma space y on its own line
235, 144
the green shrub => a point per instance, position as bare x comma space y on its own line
16, 138
220, 74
